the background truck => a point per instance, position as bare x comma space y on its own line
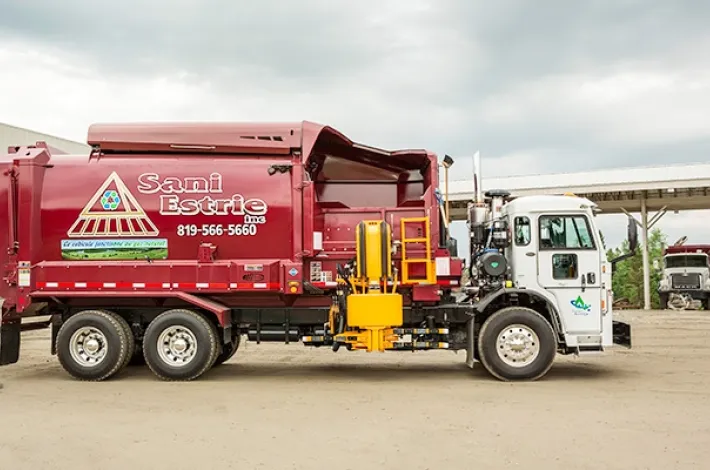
170, 243
685, 277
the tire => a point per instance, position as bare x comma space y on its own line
129, 336
663, 301
196, 342
228, 350
105, 333
536, 331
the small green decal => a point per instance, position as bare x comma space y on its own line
117, 249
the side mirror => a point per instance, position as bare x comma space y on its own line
632, 234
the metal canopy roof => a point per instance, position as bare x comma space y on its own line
676, 187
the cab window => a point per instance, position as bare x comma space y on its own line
565, 266
522, 231
565, 232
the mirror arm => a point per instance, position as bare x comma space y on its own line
620, 258
632, 237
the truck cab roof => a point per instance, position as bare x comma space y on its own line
549, 203
697, 249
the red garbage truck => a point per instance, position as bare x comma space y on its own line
171, 243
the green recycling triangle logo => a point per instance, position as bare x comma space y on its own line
579, 303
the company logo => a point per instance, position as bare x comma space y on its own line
110, 200
581, 308
112, 212
196, 195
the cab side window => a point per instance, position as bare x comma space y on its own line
522, 231
565, 232
564, 266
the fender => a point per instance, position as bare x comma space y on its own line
543, 297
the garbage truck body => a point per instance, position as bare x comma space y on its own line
169, 244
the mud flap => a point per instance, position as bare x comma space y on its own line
622, 334
471, 343
9, 343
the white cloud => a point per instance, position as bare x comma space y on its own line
634, 103
58, 93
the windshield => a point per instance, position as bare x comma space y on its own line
687, 261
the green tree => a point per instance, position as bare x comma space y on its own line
627, 281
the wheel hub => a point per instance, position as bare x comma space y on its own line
92, 346
88, 346
180, 345
177, 345
518, 345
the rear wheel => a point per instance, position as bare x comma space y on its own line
130, 337
92, 345
180, 345
517, 343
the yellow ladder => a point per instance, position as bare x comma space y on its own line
407, 261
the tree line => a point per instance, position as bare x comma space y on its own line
627, 281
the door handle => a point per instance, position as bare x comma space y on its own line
584, 282
591, 278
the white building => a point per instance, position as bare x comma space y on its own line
14, 136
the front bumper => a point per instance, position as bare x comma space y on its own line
622, 334
695, 294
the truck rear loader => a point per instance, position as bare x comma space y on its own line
171, 243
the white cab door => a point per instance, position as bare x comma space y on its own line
568, 268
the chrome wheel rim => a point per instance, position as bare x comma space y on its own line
518, 345
177, 346
88, 346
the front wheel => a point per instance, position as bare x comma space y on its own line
517, 343
180, 345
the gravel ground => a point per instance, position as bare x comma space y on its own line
289, 407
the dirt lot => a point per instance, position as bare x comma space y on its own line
277, 406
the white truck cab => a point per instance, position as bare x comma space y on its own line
557, 252
540, 282
685, 277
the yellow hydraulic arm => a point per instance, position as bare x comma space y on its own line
372, 312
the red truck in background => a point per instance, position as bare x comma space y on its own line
168, 243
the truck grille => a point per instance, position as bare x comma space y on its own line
685, 281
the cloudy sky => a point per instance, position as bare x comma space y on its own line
537, 87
